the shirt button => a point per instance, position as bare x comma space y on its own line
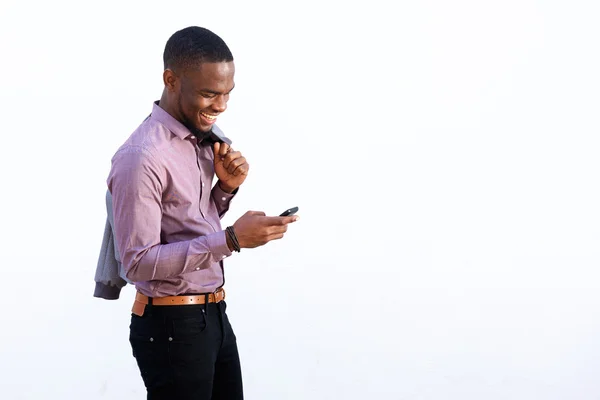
197, 268
152, 339
170, 339
223, 198
202, 184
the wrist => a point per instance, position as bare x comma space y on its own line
232, 239
229, 242
226, 188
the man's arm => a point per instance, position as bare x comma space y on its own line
222, 198
135, 183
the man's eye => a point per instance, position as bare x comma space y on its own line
207, 95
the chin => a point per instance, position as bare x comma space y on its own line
198, 129
204, 128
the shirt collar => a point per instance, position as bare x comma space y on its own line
160, 115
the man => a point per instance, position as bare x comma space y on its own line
167, 225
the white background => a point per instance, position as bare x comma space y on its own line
444, 156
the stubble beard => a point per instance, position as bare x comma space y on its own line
201, 135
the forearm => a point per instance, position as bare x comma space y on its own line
163, 261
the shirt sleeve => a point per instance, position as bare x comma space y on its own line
222, 199
136, 182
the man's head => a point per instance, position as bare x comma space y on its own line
198, 77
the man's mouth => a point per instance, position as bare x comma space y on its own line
210, 118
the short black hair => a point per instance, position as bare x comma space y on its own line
194, 45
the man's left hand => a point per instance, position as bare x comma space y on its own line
230, 167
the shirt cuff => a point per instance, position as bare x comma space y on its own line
217, 243
222, 196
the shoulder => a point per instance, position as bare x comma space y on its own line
147, 143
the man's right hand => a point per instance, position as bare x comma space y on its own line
255, 229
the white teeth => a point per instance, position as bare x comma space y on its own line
209, 116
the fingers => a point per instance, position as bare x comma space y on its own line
224, 150
288, 220
272, 224
259, 213
221, 149
235, 163
280, 221
275, 229
239, 168
275, 237
254, 228
232, 156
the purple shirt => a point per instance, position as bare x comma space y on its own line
166, 211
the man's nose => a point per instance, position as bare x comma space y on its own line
220, 104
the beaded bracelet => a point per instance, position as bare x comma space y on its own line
233, 237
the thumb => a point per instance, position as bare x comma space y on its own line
262, 214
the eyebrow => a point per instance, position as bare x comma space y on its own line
213, 91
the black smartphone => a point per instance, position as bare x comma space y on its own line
289, 211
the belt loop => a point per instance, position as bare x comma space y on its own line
206, 304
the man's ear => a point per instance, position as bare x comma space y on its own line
171, 80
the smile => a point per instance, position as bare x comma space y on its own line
208, 116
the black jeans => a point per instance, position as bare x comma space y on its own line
187, 352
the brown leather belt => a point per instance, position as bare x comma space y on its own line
139, 305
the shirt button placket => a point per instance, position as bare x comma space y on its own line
198, 162
201, 182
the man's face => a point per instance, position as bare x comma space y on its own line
203, 94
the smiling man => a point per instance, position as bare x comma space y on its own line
167, 227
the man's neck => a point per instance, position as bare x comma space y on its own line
165, 105
172, 111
